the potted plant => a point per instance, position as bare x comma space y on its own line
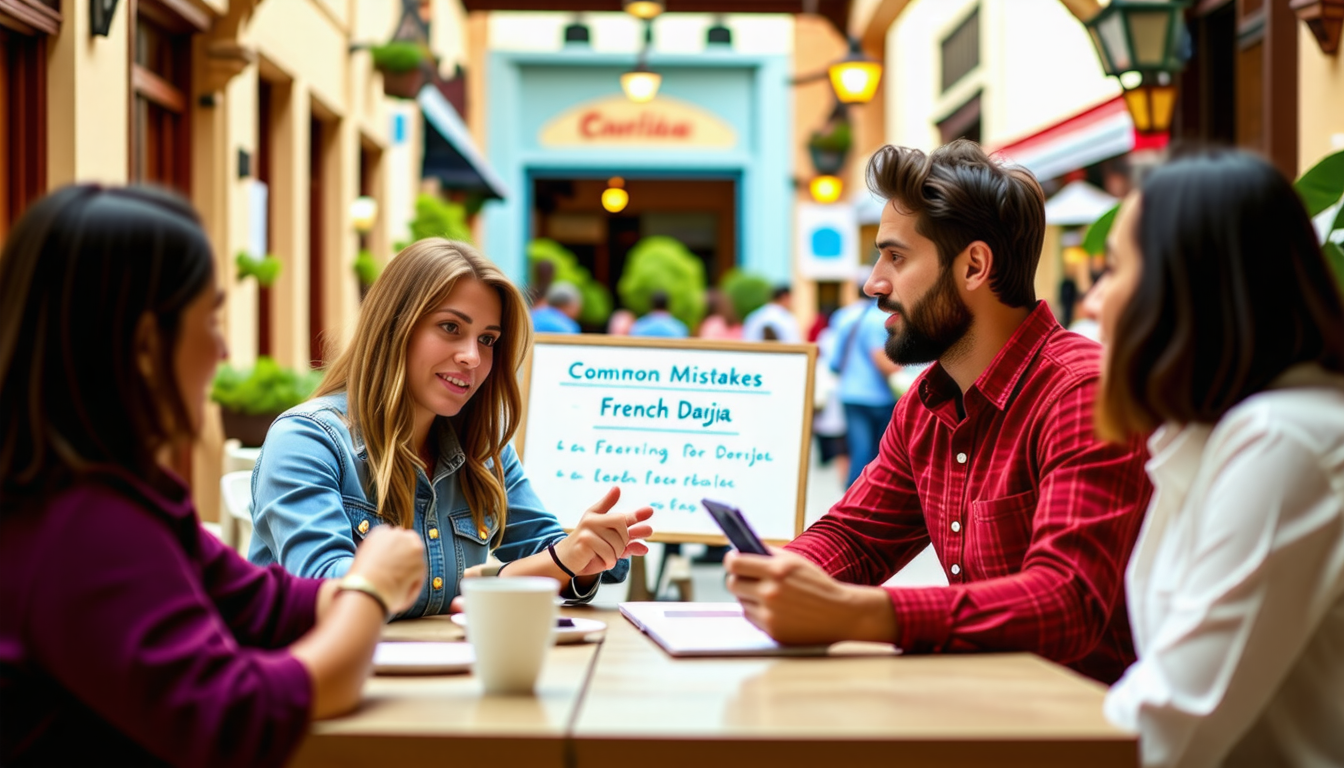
367, 270
829, 147
402, 65
265, 269
251, 399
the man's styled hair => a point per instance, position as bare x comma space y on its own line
1233, 290
960, 195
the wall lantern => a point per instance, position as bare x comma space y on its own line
643, 9
826, 189
855, 78
363, 214
614, 197
100, 16
1140, 43
641, 85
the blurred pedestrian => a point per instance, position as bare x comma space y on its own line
620, 322
721, 323
658, 322
560, 313
859, 358
774, 321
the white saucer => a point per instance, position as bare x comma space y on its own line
417, 658
582, 631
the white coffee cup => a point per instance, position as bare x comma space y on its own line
510, 625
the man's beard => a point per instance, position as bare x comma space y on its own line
938, 322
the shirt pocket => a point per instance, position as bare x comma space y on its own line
472, 540
1000, 534
363, 517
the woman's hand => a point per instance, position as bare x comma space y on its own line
603, 537
394, 560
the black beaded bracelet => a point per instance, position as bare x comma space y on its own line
551, 548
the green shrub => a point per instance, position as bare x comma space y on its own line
661, 263
267, 388
596, 298
367, 268
746, 291
1320, 188
436, 217
266, 270
398, 56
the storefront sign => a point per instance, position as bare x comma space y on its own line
827, 237
617, 121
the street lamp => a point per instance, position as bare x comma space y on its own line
826, 189
855, 78
363, 214
614, 197
640, 84
643, 9
1140, 43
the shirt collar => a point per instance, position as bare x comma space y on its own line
998, 382
451, 457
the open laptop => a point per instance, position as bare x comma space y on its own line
708, 629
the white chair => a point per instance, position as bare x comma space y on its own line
236, 490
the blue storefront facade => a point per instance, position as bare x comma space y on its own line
719, 116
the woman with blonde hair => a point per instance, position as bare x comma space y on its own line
411, 429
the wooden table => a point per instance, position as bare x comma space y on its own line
626, 701
440, 720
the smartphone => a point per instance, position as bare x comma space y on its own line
735, 527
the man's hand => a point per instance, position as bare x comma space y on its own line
797, 603
603, 537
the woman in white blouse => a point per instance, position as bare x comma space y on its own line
1225, 335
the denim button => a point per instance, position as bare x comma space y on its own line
438, 582
433, 533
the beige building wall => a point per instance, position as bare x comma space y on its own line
87, 80
1037, 67
302, 47
1320, 99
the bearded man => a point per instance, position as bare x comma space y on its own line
991, 456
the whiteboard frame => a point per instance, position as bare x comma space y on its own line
753, 347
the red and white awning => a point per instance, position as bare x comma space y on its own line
1095, 134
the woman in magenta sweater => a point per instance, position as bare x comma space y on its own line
128, 634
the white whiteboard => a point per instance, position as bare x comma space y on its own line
670, 422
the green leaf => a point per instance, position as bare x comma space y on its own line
367, 268
436, 217
1323, 185
1094, 242
267, 388
398, 56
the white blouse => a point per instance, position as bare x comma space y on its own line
1236, 586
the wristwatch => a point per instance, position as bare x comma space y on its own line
353, 582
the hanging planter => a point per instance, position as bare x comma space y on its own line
403, 67
366, 271
829, 149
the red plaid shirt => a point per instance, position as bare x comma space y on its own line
1032, 517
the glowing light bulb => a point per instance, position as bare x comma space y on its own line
614, 197
826, 189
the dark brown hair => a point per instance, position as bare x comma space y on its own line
961, 195
77, 273
1233, 291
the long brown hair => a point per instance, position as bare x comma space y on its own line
78, 273
1233, 290
372, 373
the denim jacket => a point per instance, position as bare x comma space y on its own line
310, 508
